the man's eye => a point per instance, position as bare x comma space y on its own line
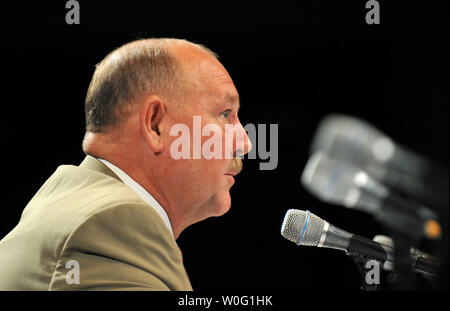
226, 113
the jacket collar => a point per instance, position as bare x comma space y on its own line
92, 163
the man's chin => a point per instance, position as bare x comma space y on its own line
223, 204
217, 205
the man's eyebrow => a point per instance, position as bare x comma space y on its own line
232, 99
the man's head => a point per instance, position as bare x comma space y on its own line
137, 95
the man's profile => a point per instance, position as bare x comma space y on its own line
117, 215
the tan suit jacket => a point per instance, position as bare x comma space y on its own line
86, 215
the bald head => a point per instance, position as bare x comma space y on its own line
135, 70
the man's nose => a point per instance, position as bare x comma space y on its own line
243, 142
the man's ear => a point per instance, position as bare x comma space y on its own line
151, 115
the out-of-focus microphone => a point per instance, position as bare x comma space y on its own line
423, 262
360, 144
351, 139
305, 228
342, 184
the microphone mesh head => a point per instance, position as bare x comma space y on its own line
328, 179
358, 135
293, 227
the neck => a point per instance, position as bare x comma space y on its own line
147, 177
142, 172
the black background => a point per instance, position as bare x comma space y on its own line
291, 63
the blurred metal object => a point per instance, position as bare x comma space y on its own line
339, 183
358, 143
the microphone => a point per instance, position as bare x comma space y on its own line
305, 228
342, 184
424, 262
351, 139
360, 144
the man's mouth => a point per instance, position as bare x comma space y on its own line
232, 173
235, 167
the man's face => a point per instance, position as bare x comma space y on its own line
210, 96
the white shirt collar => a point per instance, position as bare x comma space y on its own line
140, 191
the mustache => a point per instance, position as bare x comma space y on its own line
236, 165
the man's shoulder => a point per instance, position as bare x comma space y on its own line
82, 211
75, 198
81, 189
73, 195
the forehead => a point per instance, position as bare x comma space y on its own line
215, 81
205, 74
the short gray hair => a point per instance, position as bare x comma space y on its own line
126, 74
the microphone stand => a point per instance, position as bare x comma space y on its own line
361, 251
406, 278
360, 262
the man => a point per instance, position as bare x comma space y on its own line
111, 222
